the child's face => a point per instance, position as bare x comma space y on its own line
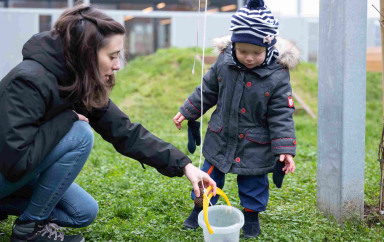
250, 55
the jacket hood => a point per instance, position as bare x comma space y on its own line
289, 54
47, 49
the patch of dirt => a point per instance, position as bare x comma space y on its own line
372, 215
128, 102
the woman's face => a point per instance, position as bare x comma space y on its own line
250, 55
108, 56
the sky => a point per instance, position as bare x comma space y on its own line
310, 8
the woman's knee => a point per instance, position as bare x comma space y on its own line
79, 206
91, 213
88, 214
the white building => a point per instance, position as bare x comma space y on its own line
153, 24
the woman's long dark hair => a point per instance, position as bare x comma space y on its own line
84, 30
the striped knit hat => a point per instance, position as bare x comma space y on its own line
254, 24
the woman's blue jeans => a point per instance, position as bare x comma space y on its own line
49, 189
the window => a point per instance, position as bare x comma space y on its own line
145, 35
45, 23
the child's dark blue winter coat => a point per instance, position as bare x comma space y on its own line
252, 123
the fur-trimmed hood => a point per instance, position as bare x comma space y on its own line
289, 54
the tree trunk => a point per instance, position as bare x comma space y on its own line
382, 43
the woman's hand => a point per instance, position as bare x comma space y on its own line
195, 176
178, 119
289, 164
82, 117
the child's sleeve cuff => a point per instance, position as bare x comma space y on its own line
284, 146
189, 111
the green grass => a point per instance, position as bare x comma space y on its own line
142, 205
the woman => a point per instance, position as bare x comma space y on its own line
51, 100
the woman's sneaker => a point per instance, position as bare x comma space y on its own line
41, 231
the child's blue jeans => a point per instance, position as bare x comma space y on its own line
253, 190
49, 190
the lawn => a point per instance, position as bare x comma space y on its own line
142, 205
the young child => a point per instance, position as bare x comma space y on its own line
251, 132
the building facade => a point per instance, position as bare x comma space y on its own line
150, 25
140, 5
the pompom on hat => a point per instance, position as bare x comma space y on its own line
254, 24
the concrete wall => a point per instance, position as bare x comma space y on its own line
184, 29
16, 29
341, 109
373, 33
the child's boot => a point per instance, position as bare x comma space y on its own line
191, 221
42, 231
251, 228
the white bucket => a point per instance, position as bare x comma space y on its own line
225, 222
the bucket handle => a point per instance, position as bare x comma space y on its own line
206, 202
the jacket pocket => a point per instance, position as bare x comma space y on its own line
262, 139
215, 142
257, 149
215, 125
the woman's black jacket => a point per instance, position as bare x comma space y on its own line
35, 117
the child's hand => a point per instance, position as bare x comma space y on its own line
178, 119
289, 163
